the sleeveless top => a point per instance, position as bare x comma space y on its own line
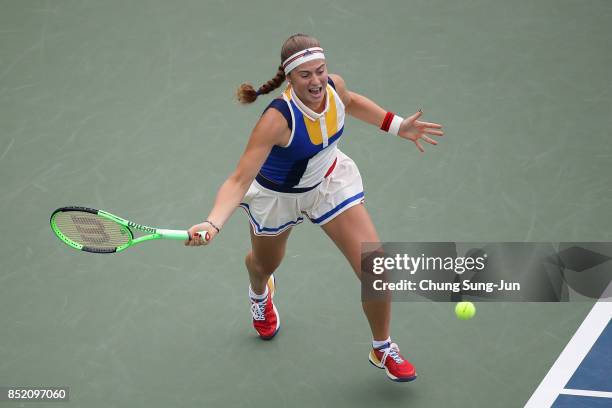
310, 155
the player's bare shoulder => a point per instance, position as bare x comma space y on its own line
272, 128
341, 88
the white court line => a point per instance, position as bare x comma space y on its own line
576, 350
586, 393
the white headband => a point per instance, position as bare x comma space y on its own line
301, 57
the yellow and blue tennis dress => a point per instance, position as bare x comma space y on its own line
309, 176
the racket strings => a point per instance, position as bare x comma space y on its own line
91, 230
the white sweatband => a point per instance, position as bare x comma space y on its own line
301, 57
391, 123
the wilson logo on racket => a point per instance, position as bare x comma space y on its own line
141, 227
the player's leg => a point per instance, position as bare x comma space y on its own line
265, 256
348, 230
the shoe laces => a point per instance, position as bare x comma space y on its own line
393, 352
258, 309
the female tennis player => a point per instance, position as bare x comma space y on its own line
292, 168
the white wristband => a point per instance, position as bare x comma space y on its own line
391, 123
395, 125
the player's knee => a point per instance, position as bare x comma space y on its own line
262, 265
370, 262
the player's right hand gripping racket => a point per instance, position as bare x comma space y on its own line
101, 232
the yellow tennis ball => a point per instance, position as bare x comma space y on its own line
465, 310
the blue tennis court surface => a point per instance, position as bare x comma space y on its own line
593, 376
595, 371
575, 401
582, 375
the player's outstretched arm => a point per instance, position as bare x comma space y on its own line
270, 130
368, 111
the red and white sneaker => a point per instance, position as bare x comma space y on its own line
265, 316
397, 367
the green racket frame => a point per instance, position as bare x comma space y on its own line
152, 233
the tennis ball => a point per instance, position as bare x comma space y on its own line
465, 310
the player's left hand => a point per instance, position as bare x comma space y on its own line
414, 130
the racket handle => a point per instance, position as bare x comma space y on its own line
181, 235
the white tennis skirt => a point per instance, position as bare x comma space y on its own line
271, 212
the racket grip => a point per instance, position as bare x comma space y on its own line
181, 235
172, 234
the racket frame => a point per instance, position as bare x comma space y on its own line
152, 233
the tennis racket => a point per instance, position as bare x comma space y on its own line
100, 232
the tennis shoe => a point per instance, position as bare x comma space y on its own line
265, 316
388, 357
